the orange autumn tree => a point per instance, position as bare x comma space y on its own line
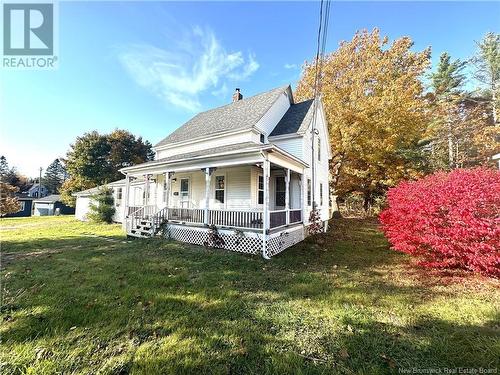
376, 111
8, 201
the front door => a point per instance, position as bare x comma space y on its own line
184, 193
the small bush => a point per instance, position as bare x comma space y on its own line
449, 220
102, 208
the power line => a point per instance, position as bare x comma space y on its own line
324, 16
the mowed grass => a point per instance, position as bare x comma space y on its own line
81, 298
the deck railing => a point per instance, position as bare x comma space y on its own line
186, 215
141, 211
239, 219
227, 218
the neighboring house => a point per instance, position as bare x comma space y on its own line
251, 169
83, 199
497, 158
26, 203
51, 205
38, 192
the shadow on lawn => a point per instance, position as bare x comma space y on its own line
180, 308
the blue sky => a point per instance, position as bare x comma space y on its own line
149, 66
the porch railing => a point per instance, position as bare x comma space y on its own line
232, 218
141, 211
240, 219
186, 215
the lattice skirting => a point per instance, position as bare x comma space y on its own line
283, 240
243, 242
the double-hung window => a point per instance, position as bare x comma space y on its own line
118, 196
220, 188
260, 190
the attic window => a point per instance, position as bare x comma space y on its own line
262, 138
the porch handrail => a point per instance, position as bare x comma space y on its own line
158, 219
141, 211
188, 215
236, 218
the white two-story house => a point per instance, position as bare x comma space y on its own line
243, 176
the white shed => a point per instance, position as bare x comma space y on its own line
83, 199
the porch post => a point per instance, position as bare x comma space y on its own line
265, 229
287, 196
168, 187
146, 190
303, 189
155, 195
126, 200
208, 177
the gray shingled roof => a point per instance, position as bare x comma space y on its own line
296, 119
240, 115
49, 198
208, 152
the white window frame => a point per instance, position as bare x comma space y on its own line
223, 175
119, 197
259, 176
309, 192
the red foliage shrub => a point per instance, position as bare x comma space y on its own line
448, 220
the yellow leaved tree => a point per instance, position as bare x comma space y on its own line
376, 111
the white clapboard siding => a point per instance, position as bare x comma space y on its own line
82, 208
268, 122
292, 145
321, 166
237, 185
238, 194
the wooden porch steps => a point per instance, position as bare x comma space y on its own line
143, 229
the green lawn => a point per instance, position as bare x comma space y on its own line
80, 298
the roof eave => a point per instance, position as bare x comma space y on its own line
182, 160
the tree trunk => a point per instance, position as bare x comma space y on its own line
366, 200
494, 104
450, 147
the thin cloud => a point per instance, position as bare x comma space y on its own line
190, 66
290, 66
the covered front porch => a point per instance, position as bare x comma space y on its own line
258, 193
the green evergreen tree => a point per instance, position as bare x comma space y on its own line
448, 77
55, 175
102, 208
8, 175
447, 82
487, 70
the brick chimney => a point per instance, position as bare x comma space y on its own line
237, 95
